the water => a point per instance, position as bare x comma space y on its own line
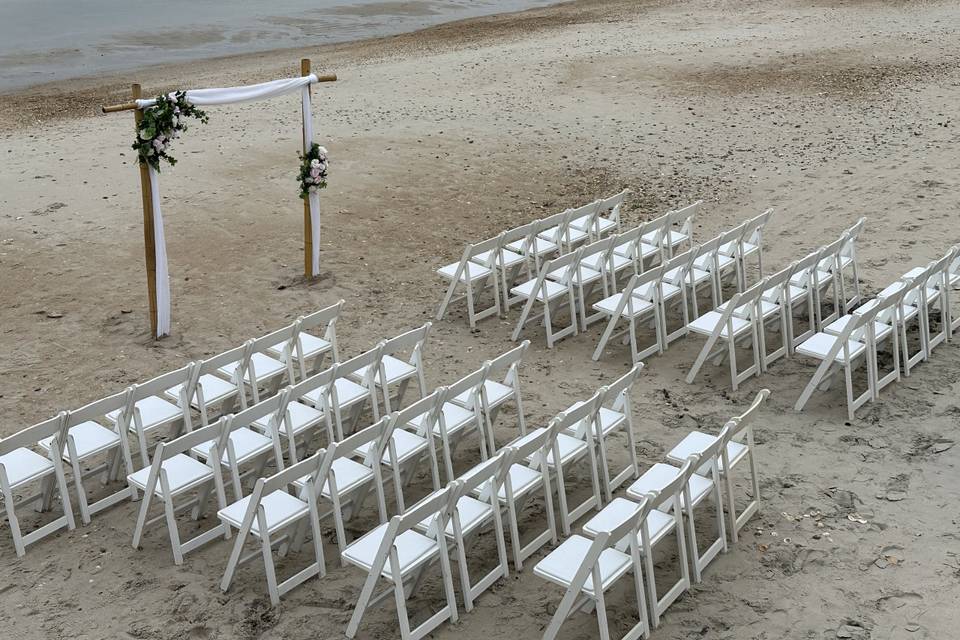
44, 40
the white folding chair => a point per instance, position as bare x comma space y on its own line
532, 246
953, 280
149, 411
639, 302
722, 266
409, 446
521, 483
749, 244
208, 388
309, 349
843, 351
775, 310
397, 372
584, 278
509, 261
550, 293
20, 466
608, 215
574, 443
798, 296
559, 230
736, 321
470, 515
395, 551
285, 419
934, 295
737, 445
847, 260
262, 371
819, 278
173, 474
494, 395
704, 271
474, 277
588, 568
650, 250
344, 395
679, 229
663, 486
241, 444
87, 440
273, 513
614, 414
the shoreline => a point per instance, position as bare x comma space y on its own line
32, 105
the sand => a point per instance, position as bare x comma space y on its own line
824, 110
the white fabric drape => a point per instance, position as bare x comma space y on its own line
160, 257
233, 95
230, 95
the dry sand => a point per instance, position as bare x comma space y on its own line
825, 110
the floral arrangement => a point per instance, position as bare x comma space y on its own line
161, 125
313, 170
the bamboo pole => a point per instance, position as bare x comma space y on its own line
149, 248
307, 224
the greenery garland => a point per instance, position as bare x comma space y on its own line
161, 125
313, 170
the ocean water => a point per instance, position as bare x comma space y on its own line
44, 40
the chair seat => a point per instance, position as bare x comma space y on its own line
658, 523
823, 277
730, 248
523, 479
609, 419
600, 262
497, 393
215, 390
570, 448
154, 412
572, 235
539, 247
348, 393
696, 441
508, 259
645, 291
279, 508
699, 275
455, 418
396, 371
561, 565
706, 324
794, 294
264, 366
302, 418
413, 549
583, 275
819, 345
472, 514
183, 473
673, 238
767, 308
407, 445
584, 223
247, 444
660, 475
349, 475
609, 306
24, 465
705, 262
836, 327
477, 272
89, 438
553, 290
310, 345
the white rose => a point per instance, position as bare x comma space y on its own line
314, 163
312, 189
322, 150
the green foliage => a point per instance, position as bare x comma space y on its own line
161, 125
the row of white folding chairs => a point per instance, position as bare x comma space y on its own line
678, 283
571, 278
497, 262
100, 429
912, 301
773, 303
404, 548
622, 537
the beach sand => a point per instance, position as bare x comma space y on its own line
825, 110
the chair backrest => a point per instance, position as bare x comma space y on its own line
804, 268
472, 382
939, 269
745, 420
580, 418
735, 234
523, 233
428, 406
535, 443
288, 336
410, 341
627, 530
239, 355
654, 274
168, 449
490, 474
565, 264
600, 247
369, 360
307, 471
675, 487
629, 239
508, 362
655, 229
611, 205
683, 263
755, 227
98, 409
326, 317
778, 281
26, 438
706, 255
828, 254
550, 222
850, 238
318, 381
436, 507
617, 393
745, 307
854, 330
274, 409
470, 252
684, 217
378, 433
